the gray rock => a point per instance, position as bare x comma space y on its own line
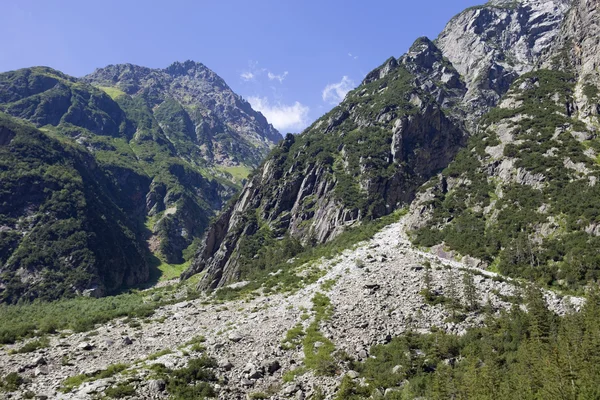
39, 361
289, 389
126, 341
235, 337
157, 385
271, 366
85, 346
246, 382
363, 354
352, 374
225, 364
41, 370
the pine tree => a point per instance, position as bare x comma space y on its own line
452, 293
470, 291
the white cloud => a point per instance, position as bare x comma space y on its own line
335, 92
280, 78
352, 56
247, 76
283, 117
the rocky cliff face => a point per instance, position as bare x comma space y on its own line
524, 192
492, 45
406, 121
577, 50
220, 123
361, 161
160, 143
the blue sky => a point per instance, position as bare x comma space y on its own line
293, 60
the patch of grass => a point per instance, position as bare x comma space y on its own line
79, 314
259, 395
34, 345
318, 350
238, 172
328, 284
193, 381
75, 381
293, 337
290, 376
112, 91
11, 382
120, 391
159, 354
171, 271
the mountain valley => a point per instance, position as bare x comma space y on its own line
434, 236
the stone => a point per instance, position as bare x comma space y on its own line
271, 366
246, 382
157, 385
39, 361
352, 374
225, 364
126, 341
41, 370
235, 337
289, 389
85, 346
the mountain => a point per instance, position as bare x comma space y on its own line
435, 236
202, 117
161, 162
366, 158
523, 195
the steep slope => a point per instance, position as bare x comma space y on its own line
366, 157
524, 192
361, 161
145, 147
198, 112
308, 343
493, 44
62, 230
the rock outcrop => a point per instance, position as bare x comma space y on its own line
492, 45
524, 192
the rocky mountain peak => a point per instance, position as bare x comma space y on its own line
492, 45
216, 114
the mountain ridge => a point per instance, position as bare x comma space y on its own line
147, 153
419, 106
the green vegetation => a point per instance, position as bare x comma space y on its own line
33, 345
533, 354
293, 337
507, 233
192, 382
159, 354
318, 350
121, 390
75, 381
82, 180
238, 172
11, 382
79, 314
113, 92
